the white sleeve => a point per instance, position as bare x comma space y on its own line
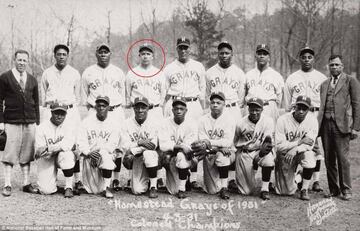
282, 144
202, 83
128, 89
84, 89
77, 88
280, 90
68, 141
44, 86
191, 134
82, 139
165, 142
40, 139
241, 90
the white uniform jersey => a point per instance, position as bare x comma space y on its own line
153, 88
266, 85
172, 134
185, 79
109, 81
135, 132
61, 86
97, 135
303, 83
220, 132
48, 134
289, 131
230, 81
254, 134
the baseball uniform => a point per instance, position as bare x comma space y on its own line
267, 85
170, 135
287, 135
230, 81
253, 135
185, 80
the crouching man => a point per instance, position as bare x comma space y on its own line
295, 137
141, 155
98, 139
53, 149
254, 137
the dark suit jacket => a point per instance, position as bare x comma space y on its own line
21, 107
347, 103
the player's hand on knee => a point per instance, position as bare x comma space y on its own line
147, 144
95, 158
225, 151
289, 157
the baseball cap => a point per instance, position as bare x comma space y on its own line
183, 41
58, 107
219, 95
61, 46
256, 101
263, 47
103, 46
306, 50
179, 100
225, 44
103, 98
146, 46
302, 99
141, 100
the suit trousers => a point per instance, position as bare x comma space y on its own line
337, 150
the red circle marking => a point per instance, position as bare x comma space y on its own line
152, 41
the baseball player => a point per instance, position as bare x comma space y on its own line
265, 83
142, 84
98, 140
107, 79
175, 141
216, 134
254, 137
228, 78
54, 142
295, 137
61, 83
306, 81
141, 155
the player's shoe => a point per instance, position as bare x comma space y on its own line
153, 193
181, 194
30, 189
79, 188
316, 187
265, 195
68, 193
116, 185
107, 193
195, 185
272, 188
6, 191
304, 195
347, 196
232, 186
224, 193
160, 183
188, 185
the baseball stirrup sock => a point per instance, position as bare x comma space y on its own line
223, 172
118, 165
106, 173
7, 174
182, 185
26, 171
107, 182
68, 172
68, 182
224, 182
183, 172
266, 173
265, 185
153, 182
307, 173
77, 166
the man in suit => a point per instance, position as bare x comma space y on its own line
339, 119
19, 111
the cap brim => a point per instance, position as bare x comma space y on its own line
179, 102
102, 100
263, 49
254, 103
217, 96
103, 47
59, 109
303, 103
307, 51
141, 102
183, 44
222, 45
146, 48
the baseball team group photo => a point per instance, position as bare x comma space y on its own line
182, 123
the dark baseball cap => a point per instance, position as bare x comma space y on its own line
263, 47
103, 46
224, 44
304, 100
306, 50
103, 98
219, 95
141, 100
58, 107
256, 101
61, 46
146, 46
179, 100
183, 41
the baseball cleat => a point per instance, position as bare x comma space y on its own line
195, 185
224, 193
68, 193
6, 191
232, 186
79, 188
107, 193
316, 187
116, 185
181, 194
265, 195
346, 197
153, 193
272, 188
304, 195
30, 189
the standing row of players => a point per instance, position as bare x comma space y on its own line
184, 77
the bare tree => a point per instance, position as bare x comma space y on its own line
108, 29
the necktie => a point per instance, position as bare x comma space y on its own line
335, 79
21, 82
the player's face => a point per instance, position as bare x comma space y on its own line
300, 112
306, 61
21, 61
179, 111
58, 117
103, 57
141, 111
61, 57
254, 113
262, 57
217, 105
336, 67
183, 53
146, 57
225, 55
102, 109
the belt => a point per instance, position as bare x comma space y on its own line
187, 99
231, 104
67, 106
151, 106
313, 109
113, 107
